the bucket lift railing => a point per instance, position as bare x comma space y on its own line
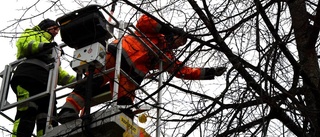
158, 54
119, 48
52, 84
159, 101
6, 75
51, 89
117, 66
124, 26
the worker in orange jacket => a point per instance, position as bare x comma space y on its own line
137, 61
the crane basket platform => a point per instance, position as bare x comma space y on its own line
108, 123
81, 29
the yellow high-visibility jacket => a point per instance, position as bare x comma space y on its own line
30, 45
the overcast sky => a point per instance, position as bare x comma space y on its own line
8, 52
8, 13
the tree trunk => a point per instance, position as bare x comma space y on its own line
308, 61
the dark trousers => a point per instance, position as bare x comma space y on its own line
25, 120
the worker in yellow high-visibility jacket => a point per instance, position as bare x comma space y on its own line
31, 77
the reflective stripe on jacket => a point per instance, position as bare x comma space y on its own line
31, 42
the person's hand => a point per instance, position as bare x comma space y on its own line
210, 73
219, 71
49, 45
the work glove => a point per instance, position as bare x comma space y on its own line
49, 45
210, 73
220, 71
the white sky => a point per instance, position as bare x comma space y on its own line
8, 13
7, 53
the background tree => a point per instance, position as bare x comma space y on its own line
270, 47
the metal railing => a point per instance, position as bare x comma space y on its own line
6, 75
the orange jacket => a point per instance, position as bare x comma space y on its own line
143, 60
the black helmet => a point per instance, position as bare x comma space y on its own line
45, 24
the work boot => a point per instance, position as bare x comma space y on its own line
67, 115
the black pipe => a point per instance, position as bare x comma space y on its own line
87, 119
